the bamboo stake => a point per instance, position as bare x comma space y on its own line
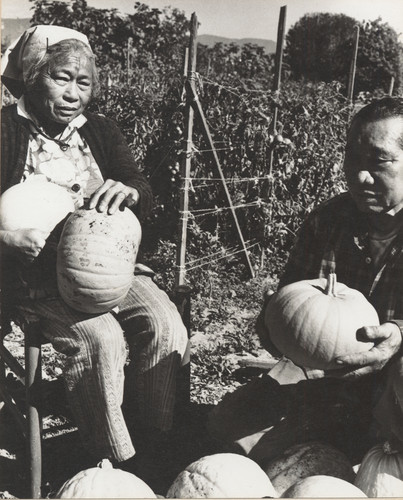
189, 70
195, 102
277, 73
391, 85
351, 77
128, 62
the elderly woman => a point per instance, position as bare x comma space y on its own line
48, 133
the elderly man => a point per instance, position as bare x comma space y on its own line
358, 235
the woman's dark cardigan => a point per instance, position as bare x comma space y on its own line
110, 151
104, 138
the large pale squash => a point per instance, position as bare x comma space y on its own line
104, 481
321, 486
381, 472
96, 256
34, 205
314, 321
223, 475
308, 459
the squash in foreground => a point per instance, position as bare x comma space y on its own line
314, 321
321, 486
223, 475
104, 481
96, 257
34, 205
381, 472
308, 459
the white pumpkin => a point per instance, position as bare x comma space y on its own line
96, 256
313, 322
223, 475
381, 472
104, 481
34, 205
322, 486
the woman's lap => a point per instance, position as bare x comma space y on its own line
145, 311
96, 352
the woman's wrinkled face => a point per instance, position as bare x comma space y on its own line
64, 90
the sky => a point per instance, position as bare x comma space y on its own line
245, 18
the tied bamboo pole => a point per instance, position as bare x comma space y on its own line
277, 73
182, 292
128, 59
206, 132
391, 85
189, 72
273, 125
351, 78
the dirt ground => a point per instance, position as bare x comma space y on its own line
217, 369
63, 455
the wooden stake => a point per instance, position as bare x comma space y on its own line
277, 73
267, 191
189, 70
196, 103
191, 93
391, 85
279, 48
351, 77
128, 61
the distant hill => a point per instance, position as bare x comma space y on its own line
211, 40
11, 29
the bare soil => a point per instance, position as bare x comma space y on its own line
216, 367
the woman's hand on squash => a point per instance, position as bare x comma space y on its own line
112, 195
26, 244
387, 339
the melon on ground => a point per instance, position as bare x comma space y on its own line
308, 459
321, 486
223, 475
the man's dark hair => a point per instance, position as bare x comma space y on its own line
387, 107
380, 109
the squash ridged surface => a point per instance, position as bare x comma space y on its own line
313, 328
96, 259
223, 475
104, 481
381, 473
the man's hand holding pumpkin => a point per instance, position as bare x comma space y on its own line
387, 339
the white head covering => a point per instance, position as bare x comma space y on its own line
29, 49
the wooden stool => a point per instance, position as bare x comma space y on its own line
30, 419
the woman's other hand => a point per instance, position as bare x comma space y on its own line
26, 244
112, 195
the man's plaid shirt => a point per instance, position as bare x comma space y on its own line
334, 238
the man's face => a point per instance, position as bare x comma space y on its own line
373, 164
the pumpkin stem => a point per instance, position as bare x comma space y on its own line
105, 464
331, 285
388, 449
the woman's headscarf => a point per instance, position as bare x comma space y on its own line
29, 49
